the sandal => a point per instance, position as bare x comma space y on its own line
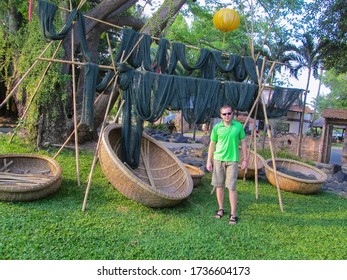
232, 220
219, 214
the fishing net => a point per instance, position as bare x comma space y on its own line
153, 83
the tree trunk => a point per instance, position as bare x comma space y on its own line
316, 102
302, 117
107, 11
161, 18
13, 17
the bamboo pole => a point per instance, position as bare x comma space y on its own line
71, 62
75, 104
248, 153
255, 151
260, 95
79, 124
272, 154
252, 27
256, 165
253, 139
96, 153
2, 169
270, 139
269, 27
121, 28
23, 77
84, 64
81, 3
32, 66
40, 82
246, 25
95, 159
35, 92
73, 132
260, 90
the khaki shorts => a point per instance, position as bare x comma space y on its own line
224, 174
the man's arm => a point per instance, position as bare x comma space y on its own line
209, 163
244, 163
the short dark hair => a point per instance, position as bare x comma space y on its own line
226, 106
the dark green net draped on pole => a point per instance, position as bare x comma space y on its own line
148, 94
46, 12
151, 83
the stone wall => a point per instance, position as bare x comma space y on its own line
310, 147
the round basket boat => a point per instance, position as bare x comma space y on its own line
250, 172
294, 176
196, 174
26, 177
161, 180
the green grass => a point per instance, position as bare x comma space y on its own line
114, 227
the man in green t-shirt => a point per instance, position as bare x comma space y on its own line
223, 158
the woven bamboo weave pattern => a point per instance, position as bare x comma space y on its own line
161, 180
26, 177
196, 174
291, 183
250, 171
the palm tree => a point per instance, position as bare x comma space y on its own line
306, 55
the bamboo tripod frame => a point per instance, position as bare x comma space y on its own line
255, 105
76, 125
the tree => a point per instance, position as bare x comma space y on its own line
329, 20
57, 122
12, 18
337, 98
305, 53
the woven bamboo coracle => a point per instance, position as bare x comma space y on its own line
26, 177
161, 180
250, 171
292, 183
196, 174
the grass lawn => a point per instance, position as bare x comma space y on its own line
113, 227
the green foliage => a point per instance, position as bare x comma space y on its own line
337, 98
200, 32
312, 227
6, 58
159, 126
330, 22
50, 91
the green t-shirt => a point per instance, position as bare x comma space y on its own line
227, 140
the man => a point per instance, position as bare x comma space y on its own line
223, 158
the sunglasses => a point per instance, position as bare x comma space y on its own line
224, 114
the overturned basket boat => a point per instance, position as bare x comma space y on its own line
161, 180
294, 176
250, 171
196, 174
26, 177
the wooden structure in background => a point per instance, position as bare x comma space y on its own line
332, 117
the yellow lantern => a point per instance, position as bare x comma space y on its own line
226, 20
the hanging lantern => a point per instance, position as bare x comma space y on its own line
226, 20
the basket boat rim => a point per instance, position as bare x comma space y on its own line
307, 166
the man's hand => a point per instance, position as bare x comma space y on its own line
209, 166
244, 164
